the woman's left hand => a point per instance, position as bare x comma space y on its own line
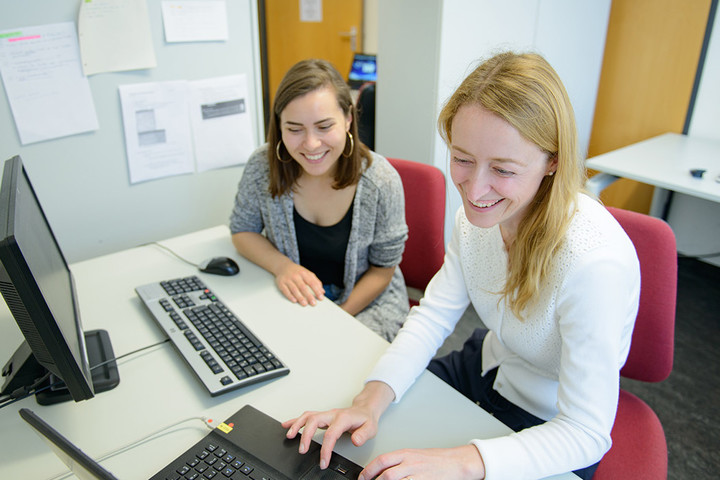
461, 463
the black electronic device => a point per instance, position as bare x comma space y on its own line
248, 445
220, 266
39, 290
252, 444
362, 70
83, 466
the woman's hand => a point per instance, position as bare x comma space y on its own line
361, 420
367, 288
427, 464
299, 284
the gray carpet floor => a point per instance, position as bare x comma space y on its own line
688, 402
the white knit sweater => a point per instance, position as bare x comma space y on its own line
561, 363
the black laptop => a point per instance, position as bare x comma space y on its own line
248, 445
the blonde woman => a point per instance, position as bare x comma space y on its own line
551, 274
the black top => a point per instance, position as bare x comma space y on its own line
322, 249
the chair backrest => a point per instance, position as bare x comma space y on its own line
651, 351
366, 115
424, 187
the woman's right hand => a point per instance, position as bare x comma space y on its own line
299, 284
361, 420
296, 282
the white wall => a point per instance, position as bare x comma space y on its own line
83, 180
409, 38
696, 222
426, 48
705, 121
370, 27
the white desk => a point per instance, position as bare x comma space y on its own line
329, 354
664, 161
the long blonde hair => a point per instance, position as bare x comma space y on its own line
525, 91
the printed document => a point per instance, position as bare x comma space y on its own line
157, 129
221, 122
48, 93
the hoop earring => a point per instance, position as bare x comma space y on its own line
352, 146
277, 152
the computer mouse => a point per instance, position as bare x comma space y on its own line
219, 266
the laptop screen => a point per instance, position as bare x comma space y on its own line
76, 460
363, 69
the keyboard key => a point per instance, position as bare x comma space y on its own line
259, 475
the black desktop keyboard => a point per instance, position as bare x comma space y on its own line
219, 348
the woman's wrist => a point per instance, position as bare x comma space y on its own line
376, 397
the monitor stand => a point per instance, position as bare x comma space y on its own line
25, 369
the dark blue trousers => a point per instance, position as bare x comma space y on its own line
462, 371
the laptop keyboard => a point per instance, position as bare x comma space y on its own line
252, 445
210, 460
219, 348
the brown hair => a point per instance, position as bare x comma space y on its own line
304, 77
525, 91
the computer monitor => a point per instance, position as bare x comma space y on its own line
39, 290
363, 70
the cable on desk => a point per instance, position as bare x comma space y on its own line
128, 354
171, 252
24, 392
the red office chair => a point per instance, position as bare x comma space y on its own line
424, 187
639, 448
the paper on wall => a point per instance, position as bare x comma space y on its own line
47, 91
222, 131
157, 129
115, 36
195, 21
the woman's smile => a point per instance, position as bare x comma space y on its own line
485, 204
315, 158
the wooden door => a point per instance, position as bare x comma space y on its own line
649, 66
289, 38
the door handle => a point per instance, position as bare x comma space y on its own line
352, 35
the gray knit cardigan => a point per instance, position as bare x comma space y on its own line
377, 235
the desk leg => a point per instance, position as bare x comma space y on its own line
660, 205
599, 182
